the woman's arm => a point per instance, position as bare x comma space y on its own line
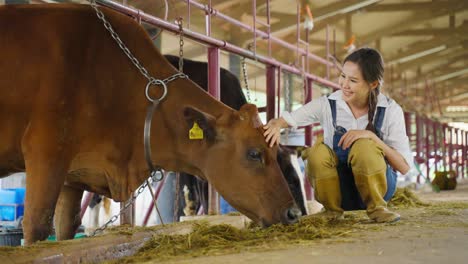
394, 158
304, 115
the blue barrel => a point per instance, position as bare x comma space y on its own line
225, 207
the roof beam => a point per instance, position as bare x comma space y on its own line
441, 56
335, 11
415, 7
416, 19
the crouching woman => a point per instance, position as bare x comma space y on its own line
354, 166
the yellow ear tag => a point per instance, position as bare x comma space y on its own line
195, 132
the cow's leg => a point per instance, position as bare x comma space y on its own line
67, 213
46, 164
94, 215
43, 182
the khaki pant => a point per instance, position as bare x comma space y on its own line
367, 161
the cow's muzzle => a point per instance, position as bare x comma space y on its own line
291, 215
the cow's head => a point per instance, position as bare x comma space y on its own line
241, 166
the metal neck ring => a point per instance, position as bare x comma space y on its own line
156, 82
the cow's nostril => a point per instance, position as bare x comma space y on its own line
292, 215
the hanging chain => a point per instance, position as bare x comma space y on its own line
151, 81
180, 21
116, 37
287, 103
246, 79
127, 204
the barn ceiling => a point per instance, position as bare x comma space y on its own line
424, 42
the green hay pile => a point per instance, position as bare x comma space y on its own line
404, 197
208, 239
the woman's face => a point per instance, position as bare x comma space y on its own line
355, 88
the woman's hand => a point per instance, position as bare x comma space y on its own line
352, 135
273, 130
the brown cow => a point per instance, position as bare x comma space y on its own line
73, 108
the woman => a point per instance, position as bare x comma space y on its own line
365, 141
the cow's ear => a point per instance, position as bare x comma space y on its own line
203, 121
249, 113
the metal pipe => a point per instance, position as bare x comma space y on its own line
450, 149
268, 26
258, 33
151, 206
85, 204
328, 50
444, 144
298, 33
427, 147
214, 90
270, 89
308, 129
213, 42
435, 144
456, 147
465, 152
254, 25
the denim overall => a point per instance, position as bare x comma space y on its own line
351, 200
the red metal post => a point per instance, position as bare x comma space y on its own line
308, 130
278, 92
427, 127
419, 154
309, 192
85, 203
456, 152
444, 145
450, 147
435, 144
214, 90
270, 90
465, 153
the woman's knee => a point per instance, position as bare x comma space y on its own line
320, 156
366, 156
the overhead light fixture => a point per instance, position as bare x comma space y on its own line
450, 75
419, 54
357, 6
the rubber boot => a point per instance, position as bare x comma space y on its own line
369, 174
322, 174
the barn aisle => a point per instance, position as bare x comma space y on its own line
434, 234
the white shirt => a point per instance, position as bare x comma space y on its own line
318, 110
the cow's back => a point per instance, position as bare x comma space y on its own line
53, 76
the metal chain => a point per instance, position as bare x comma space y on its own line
127, 204
151, 81
246, 81
287, 105
181, 44
116, 37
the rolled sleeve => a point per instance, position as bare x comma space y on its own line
304, 115
396, 135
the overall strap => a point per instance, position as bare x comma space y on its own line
379, 116
333, 110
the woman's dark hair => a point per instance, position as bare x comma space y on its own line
372, 68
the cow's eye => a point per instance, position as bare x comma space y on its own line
254, 155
